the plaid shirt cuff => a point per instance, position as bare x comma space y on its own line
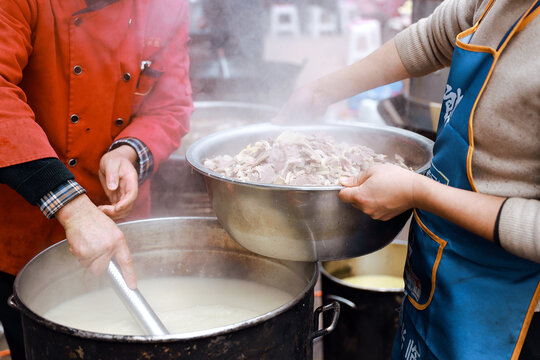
146, 160
56, 199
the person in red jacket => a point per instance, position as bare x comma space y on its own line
94, 95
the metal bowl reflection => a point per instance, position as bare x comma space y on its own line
303, 223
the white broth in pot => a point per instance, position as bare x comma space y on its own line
184, 304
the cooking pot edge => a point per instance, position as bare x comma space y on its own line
17, 303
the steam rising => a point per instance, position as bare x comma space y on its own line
236, 62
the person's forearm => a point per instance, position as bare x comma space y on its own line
381, 67
470, 210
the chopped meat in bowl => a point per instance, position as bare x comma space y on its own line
295, 158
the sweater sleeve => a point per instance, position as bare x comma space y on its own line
519, 228
33, 179
428, 44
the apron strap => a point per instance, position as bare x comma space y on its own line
484, 13
521, 23
532, 14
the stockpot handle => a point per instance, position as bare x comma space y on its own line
11, 302
334, 305
347, 302
340, 299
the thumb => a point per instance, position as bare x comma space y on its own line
353, 180
108, 210
112, 179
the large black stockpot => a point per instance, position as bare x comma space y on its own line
172, 247
369, 315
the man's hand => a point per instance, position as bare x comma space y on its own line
94, 238
382, 191
120, 181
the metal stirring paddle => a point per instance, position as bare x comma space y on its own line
136, 303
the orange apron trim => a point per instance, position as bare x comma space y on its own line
496, 54
522, 23
442, 243
526, 323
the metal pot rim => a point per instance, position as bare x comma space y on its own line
164, 338
337, 280
198, 166
17, 303
349, 285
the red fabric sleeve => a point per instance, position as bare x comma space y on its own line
21, 138
163, 117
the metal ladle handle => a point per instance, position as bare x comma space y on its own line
136, 303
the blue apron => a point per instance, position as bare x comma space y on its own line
466, 297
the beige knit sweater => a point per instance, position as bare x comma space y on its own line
506, 157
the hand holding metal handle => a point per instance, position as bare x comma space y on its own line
136, 303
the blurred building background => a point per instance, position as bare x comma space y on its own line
258, 51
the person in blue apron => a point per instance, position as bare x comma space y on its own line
466, 296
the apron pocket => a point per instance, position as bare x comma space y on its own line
423, 258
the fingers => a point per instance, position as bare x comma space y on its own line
125, 262
120, 182
355, 180
359, 198
128, 192
94, 238
117, 211
108, 210
122, 209
123, 198
98, 265
97, 257
354, 196
382, 191
359, 193
353, 191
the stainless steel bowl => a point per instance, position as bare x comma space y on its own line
303, 223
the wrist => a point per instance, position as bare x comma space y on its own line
72, 209
128, 153
319, 98
56, 199
320, 101
143, 161
420, 190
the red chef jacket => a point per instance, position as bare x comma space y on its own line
71, 83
